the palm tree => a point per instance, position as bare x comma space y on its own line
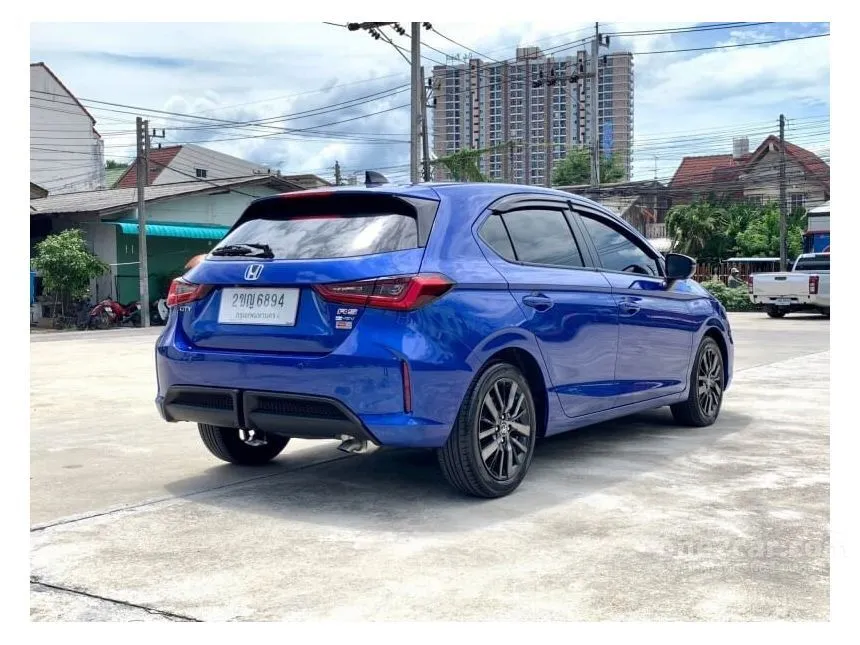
694, 226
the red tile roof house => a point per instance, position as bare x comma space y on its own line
189, 162
754, 177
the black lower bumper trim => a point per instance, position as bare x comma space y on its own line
291, 415
301, 416
214, 406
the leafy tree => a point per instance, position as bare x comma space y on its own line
575, 169
712, 230
66, 265
463, 164
761, 237
694, 227
110, 164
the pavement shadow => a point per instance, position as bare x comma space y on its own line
403, 490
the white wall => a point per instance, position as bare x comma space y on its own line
66, 155
216, 209
101, 239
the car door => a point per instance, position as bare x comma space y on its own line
569, 309
657, 324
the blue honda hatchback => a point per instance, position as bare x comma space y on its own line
472, 319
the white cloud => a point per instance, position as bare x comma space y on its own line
244, 71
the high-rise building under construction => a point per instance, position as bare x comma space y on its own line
530, 112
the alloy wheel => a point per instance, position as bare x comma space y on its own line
709, 379
505, 429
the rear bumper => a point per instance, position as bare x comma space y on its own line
795, 301
319, 397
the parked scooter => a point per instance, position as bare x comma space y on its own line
158, 312
110, 313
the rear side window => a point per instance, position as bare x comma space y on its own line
542, 237
494, 234
312, 237
818, 263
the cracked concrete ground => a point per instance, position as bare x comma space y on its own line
637, 519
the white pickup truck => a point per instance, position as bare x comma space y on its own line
805, 288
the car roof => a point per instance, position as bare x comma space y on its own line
435, 190
484, 193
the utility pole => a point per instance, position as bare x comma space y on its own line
783, 251
142, 181
417, 100
375, 30
425, 143
337, 177
595, 146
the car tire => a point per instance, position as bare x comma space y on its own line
488, 455
775, 312
707, 384
226, 444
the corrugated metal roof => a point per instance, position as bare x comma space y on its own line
186, 231
104, 202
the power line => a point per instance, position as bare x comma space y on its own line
699, 49
693, 29
255, 122
451, 40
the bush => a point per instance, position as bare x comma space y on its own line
733, 299
66, 265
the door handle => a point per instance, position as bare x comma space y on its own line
628, 308
538, 301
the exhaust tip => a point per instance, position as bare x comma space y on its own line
353, 446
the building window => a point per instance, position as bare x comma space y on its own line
200, 172
797, 200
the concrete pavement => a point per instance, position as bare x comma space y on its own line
636, 519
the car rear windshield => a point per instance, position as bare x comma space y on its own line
304, 229
813, 264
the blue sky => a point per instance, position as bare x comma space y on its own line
685, 103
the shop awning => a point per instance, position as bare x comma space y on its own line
188, 231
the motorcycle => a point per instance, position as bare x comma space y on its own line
110, 313
158, 312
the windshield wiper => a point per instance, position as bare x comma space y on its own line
247, 249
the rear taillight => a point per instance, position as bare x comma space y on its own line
813, 285
182, 292
401, 293
750, 284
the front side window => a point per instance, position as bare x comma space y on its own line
618, 252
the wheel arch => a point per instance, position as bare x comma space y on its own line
717, 335
531, 370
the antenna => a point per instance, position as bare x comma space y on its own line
373, 178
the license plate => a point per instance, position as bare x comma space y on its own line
782, 301
259, 306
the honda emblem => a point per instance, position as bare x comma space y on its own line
253, 271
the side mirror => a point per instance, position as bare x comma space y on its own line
679, 267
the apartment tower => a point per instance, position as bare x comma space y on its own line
530, 112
